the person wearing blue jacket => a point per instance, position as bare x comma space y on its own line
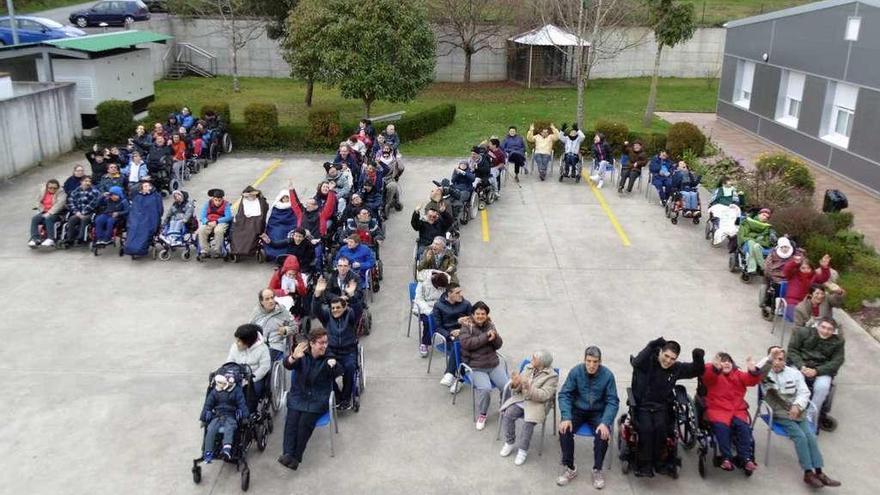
186, 119
685, 182
361, 256
588, 396
515, 149
662, 168
341, 322
224, 406
112, 207
214, 217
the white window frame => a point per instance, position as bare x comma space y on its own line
744, 81
791, 93
853, 26
843, 100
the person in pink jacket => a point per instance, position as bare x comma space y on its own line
727, 411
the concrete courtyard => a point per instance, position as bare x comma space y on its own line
106, 359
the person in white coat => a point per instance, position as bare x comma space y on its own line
249, 348
571, 140
432, 285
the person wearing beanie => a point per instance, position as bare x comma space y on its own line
773, 273
214, 218
224, 406
112, 208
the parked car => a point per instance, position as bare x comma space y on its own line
35, 29
113, 12
156, 5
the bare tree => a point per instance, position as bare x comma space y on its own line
238, 21
600, 23
472, 25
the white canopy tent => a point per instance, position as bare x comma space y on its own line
557, 39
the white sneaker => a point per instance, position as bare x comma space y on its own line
594, 178
507, 449
521, 457
481, 423
601, 183
32, 243
47, 243
447, 379
455, 387
566, 476
598, 479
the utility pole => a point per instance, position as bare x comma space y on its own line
11, 9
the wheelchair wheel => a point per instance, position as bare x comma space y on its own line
245, 479
362, 372
186, 255
746, 277
213, 151
165, 254
827, 423
732, 263
197, 474
696, 220
277, 384
701, 465
709, 230
674, 220
624, 467
261, 256
227, 143
673, 472
261, 438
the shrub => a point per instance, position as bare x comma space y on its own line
159, 111
615, 133
867, 263
788, 169
324, 129
115, 120
801, 221
859, 287
221, 108
261, 120
685, 136
770, 185
414, 126
818, 245
840, 220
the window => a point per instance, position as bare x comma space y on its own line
853, 24
839, 114
742, 89
791, 93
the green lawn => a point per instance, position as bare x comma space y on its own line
31, 6
715, 12
482, 109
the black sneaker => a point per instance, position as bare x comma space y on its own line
644, 473
288, 461
344, 405
398, 206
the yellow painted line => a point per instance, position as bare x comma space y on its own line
485, 217
266, 173
606, 209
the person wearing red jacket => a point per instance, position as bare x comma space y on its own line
727, 410
800, 276
311, 216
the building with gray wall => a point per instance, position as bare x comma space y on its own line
808, 79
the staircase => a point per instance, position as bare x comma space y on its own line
187, 59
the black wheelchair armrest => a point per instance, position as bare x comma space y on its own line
630, 399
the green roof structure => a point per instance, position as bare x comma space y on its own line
103, 42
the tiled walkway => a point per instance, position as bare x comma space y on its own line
745, 147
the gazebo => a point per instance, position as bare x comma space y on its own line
543, 57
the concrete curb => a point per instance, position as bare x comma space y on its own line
850, 323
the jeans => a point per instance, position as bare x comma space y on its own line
662, 184
348, 361
104, 227
48, 222
175, 229
804, 438
392, 193
542, 160
219, 231
821, 388
298, 428
228, 424
177, 170
77, 227
600, 168
495, 179
740, 433
508, 424
518, 161
689, 200
628, 174
566, 440
653, 429
570, 162
484, 379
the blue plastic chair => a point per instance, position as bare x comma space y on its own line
765, 413
438, 341
783, 314
551, 408
463, 375
412, 305
326, 419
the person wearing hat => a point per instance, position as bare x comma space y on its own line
112, 208
543, 147
588, 396
361, 256
215, 218
224, 406
753, 237
773, 275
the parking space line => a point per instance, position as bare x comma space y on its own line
607, 209
265, 175
485, 218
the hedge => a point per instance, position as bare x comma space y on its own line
801, 221
416, 125
221, 108
261, 120
159, 111
114, 121
615, 133
685, 136
324, 127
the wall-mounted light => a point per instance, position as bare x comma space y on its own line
765, 56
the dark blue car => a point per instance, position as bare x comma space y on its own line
112, 12
35, 29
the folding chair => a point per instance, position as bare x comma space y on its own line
328, 418
765, 413
550, 406
782, 314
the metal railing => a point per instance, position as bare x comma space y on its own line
194, 58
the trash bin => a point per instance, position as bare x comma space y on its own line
835, 200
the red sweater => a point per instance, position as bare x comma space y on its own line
799, 282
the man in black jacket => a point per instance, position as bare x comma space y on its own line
341, 323
436, 223
655, 371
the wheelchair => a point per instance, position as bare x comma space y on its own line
706, 439
682, 429
163, 177
675, 207
117, 237
826, 422
737, 258
577, 168
219, 141
254, 429
225, 246
485, 193
189, 241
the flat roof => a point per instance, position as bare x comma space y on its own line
801, 9
103, 42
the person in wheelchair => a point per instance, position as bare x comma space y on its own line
428, 291
309, 393
439, 257
80, 207
655, 370
463, 184
50, 205
366, 228
297, 244
788, 396
515, 148
571, 140
727, 411
726, 194
774, 275
436, 223
110, 210
589, 396
815, 306
481, 164
449, 312
337, 282
753, 237
818, 352
275, 321
224, 407
250, 348
360, 255
215, 218
685, 184
341, 322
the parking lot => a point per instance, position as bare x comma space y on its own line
106, 359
